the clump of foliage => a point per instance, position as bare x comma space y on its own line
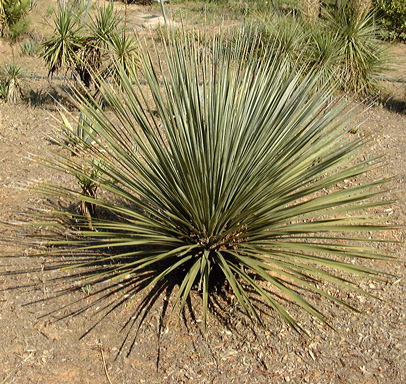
392, 17
323, 52
220, 172
12, 76
286, 32
88, 49
30, 47
123, 54
61, 49
360, 54
344, 44
13, 21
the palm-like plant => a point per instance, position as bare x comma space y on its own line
62, 49
123, 54
104, 23
11, 75
222, 167
89, 50
96, 43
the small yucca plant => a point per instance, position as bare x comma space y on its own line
105, 22
61, 50
89, 50
220, 170
96, 43
12, 76
361, 53
123, 54
286, 32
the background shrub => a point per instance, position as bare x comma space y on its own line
30, 47
13, 21
89, 49
361, 57
392, 17
343, 45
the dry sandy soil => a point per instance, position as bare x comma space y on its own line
365, 348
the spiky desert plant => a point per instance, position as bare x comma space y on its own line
62, 48
12, 75
30, 47
108, 44
105, 22
222, 170
362, 55
123, 54
322, 52
286, 32
96, 43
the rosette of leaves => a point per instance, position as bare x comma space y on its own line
96, 44
11, 75
220, 171
361, 53
123, 55
61, 50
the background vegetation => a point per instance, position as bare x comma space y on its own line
392, 17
